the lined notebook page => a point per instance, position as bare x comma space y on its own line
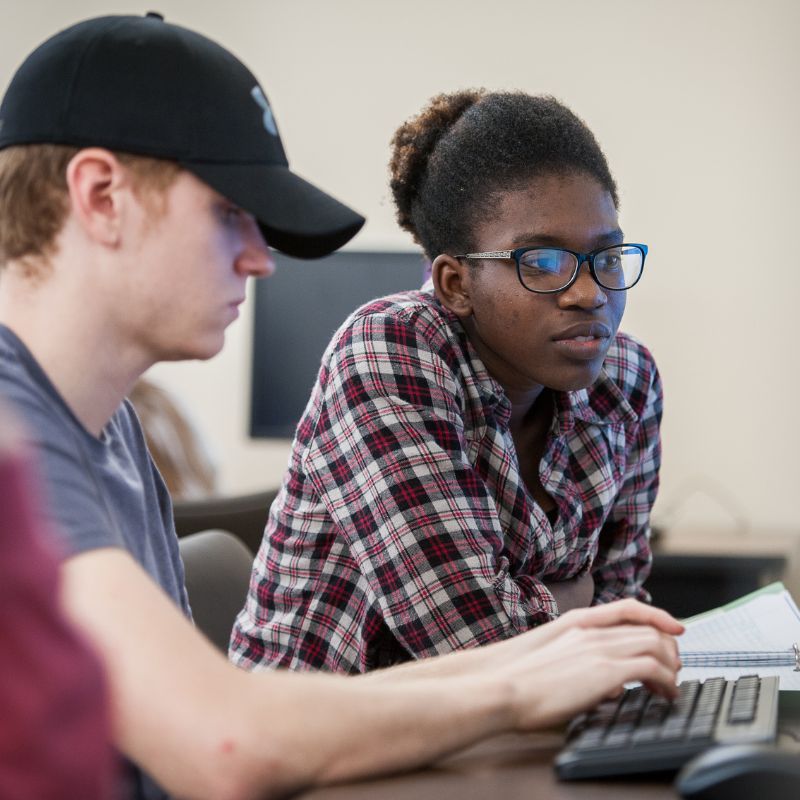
767, 620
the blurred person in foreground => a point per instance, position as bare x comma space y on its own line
55, 726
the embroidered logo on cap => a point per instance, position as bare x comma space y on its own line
268, 119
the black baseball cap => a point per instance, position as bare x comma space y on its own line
144, 86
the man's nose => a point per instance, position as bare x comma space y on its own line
255, 258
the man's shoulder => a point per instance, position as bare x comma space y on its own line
23, 385
12, 356
74, 464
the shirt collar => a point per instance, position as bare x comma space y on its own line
492, 393
493, 398
603, 403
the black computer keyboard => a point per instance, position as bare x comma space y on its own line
643, 732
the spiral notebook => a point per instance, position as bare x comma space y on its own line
756, 634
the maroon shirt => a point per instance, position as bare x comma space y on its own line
54, 725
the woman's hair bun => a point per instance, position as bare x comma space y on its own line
413, 144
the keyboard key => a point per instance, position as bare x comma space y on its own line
646, 733
617, 737
744, 699
674, 728
589, 739
701, 727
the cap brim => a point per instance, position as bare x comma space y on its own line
296, 218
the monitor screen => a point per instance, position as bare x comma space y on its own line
297, 310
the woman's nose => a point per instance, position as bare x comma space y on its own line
585, 292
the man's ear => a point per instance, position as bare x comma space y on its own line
451, 280
95, 179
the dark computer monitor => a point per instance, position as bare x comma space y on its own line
297, 311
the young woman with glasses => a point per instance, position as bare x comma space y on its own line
481, 455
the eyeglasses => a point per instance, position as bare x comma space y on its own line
547, 270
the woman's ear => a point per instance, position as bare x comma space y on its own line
94, 180
451, 281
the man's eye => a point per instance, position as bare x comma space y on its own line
230, 214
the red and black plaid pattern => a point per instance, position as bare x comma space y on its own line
403, 513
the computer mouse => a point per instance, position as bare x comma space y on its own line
741, 772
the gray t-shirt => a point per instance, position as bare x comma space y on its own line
100, 492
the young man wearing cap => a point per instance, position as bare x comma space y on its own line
96, 246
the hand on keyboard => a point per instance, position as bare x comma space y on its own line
556, 670
582, 666
583, 657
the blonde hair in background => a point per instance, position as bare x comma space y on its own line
177, 449
34, 201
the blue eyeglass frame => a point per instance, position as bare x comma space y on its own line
581, 258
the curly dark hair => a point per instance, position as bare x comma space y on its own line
451, 161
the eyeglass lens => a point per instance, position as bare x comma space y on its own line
546, 269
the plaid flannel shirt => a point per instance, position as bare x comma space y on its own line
403, 513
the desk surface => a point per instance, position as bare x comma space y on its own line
512, 767
520, 767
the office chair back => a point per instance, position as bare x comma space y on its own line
217, 566
245, 516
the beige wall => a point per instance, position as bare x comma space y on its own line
696, 104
